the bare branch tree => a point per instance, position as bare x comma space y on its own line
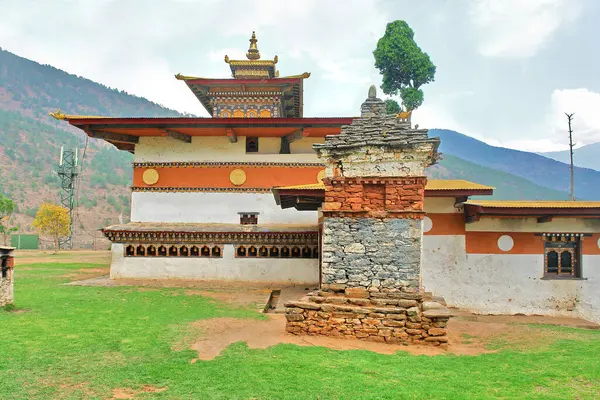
571, 144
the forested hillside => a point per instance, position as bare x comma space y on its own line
30, 142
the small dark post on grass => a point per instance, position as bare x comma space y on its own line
572, 190
7, 263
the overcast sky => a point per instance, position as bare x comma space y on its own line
507, 70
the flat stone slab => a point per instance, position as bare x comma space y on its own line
438, 313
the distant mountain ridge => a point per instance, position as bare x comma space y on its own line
30, 142
536, 169
586, 156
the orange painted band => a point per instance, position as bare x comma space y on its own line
218, 177
446, 224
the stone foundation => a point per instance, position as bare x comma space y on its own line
6, 275
355, 313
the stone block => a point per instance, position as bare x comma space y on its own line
303, 305
359, 302
412, 312
384, 332
376, 315
441, 339
413, 325
371, 321
357, 293
440, 324
337, 321
414, 331
317, 299
407, 303
293, 310
437, 332
393, 323
399, 317
294, 317
438, 313
335, 300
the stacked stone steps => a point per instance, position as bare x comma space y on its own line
375, 316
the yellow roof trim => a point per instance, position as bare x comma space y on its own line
534, 204
251, 63
301, 76
180, 77
455, 184
310, 186
65, 117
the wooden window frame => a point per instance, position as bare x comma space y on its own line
560, 243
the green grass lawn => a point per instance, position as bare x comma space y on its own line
77, 342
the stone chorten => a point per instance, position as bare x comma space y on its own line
372, 233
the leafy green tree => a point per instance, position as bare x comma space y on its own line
404, 66
392, 107
7, 207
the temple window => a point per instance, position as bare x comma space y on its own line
251, 145
141, 251
274, 252
194, 251
216, 251
205, 251
183, 251
316, 252
162, 251
173, 251
296, 252
241, 251
285, 252
248, 218
151, 250
130, 251
263, 252
562, 255
252, 252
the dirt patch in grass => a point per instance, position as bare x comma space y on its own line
468, 335
127, 393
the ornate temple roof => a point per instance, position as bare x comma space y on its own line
251, 77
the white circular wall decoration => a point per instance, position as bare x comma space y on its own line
427, 224
505, 243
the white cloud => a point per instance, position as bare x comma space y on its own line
519, 28
585, 104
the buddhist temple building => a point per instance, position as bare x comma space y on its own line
239, 196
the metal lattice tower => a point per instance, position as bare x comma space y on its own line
67, 172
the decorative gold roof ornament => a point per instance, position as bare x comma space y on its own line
253, 53
58, 115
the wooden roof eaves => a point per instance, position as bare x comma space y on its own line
482, 211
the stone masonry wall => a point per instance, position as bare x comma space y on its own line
371, 253
355, 313
6, 280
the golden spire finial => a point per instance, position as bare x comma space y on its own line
253, 53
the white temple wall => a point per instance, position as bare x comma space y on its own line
213, 207
220, 149
229, 267
506, 283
